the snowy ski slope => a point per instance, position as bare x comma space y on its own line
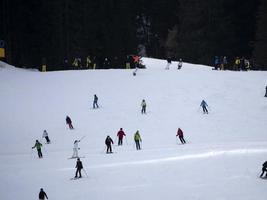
222, 160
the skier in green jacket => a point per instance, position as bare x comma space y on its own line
137, 139
38, 146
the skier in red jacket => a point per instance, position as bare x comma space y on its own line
180, 134
120, 135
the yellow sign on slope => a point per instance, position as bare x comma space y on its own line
2, 52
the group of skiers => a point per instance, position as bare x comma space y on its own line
169, 62
121, 134
238, 65
94, 62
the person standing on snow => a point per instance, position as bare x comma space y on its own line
180, 63
120, 135
42, 195
204, 106
169, 62
69, 122
95, 105
108, 142
137, 139
264, 169
79, 167
180, 134
75, 149
265, 91
143, 104
45, 135
38, 146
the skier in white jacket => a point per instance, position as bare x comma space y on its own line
45, 135
75, 149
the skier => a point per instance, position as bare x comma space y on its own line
169, 62
216, 63
38, 146
265, 92
69, 122
75, 149
180, 134
224, 62
120, 135
136, 60
204, 107
264, 169
79, 167
135, 71
106, 63
45, 135
42, 195
95, 102
237, 64
180, 63
143, 104
88, 62
137, 139
108, 142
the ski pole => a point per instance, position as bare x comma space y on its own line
85, 173
126, 140
82, 137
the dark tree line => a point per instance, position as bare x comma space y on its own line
194, 30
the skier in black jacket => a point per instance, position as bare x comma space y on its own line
42, 195
95, 105
265, 92
264, 169
79, 166
108, 142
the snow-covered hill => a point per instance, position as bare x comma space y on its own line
222, 159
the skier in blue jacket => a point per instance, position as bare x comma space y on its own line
204, 106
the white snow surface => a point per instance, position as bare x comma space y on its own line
221, 161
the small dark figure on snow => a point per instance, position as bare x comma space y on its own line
45, 135
216, 63
95, 105
265, 91
69, 122
108, 142
180, 63
143, 104
180, 134
79, 167
137, 139
264, 169
204, 106
42, 195
120, 135
135, 71
38, 146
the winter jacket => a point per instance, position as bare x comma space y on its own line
37, 145
45, 134
79, 164
265, 164
76, 144
120, 134
42, 195
137, 136
108, 141
203, 103
95, 98
143, 104
180, 133
68, 120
